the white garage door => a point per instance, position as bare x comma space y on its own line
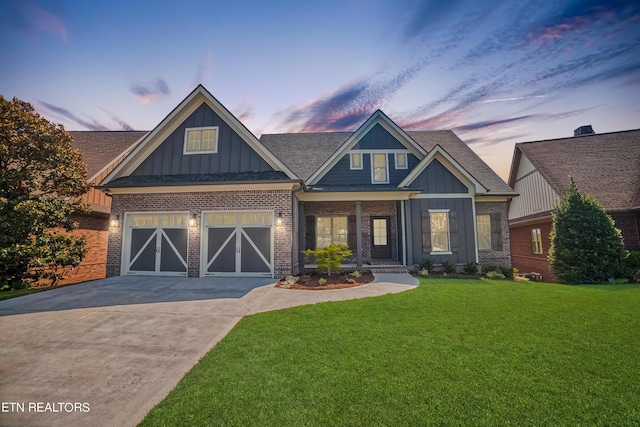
156, 243
237, 244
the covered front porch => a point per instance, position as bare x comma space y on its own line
374, 230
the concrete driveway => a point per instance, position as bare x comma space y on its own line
106, 352
119, 345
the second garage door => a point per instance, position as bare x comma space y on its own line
237, 244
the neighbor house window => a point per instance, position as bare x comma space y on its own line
536, 241
439, 231
379, 170
201, 140
331, 230
401, 160
356, 160
484, 231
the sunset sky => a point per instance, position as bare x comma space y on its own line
495, 72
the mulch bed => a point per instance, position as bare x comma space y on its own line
335, 281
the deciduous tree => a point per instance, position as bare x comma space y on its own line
41, 180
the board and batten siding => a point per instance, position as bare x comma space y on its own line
437, 179
378, 138
536, 195
461, 235
341, 173
234, 154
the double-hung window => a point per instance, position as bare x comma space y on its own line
439, 231
536, 241
201, 140
379, 168
331, 230
484, 231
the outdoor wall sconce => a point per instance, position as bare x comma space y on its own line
193, 221
115, 221
279, 219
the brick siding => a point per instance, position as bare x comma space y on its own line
629, 225
278, 201
522, 250
367, 209
490, 257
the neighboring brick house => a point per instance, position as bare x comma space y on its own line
201, 195
607, 166
101, 151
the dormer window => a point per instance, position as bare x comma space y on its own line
203, 140
379, 168
355, 161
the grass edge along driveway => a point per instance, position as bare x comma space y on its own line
450, 352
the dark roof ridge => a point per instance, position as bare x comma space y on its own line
578, 136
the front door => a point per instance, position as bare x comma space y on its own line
380, 237
238, 243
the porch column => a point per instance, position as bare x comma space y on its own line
359, 235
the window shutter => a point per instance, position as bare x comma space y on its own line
426, 235
352, 239
496, 231
311, 232
453, 232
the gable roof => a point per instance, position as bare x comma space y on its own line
100, 149
607, 165
465, 157
448, 162
194, 100
377, 118
305, 153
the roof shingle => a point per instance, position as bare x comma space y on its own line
607, 165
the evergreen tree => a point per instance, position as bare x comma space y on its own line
41, 180
586, 247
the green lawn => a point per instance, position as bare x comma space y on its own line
20, 292
450, 352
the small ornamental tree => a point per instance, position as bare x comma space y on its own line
586, 247
41, 180
329, 258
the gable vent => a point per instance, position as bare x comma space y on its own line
583, 130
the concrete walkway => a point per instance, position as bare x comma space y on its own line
106, 352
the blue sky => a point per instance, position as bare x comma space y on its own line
495, 72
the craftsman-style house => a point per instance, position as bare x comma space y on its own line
201, 195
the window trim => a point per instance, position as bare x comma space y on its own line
200, 129
490, 233
386, 166
406, 160
332, 217
447, 212
351, 162
536, 241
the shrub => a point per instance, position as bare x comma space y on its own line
356, 274
423, 272
471, 267
449, 267
488, 268
322, 281
586, 247
632, 265
329, 258
493, 275
426, 264
507, 272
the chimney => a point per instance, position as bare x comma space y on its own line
583, 130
